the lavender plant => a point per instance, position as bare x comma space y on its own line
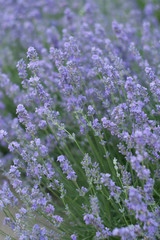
79, 134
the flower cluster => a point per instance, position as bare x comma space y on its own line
79, 127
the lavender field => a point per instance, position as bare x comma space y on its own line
80, 120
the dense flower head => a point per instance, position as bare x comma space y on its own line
22, 69
66, 167
79, 119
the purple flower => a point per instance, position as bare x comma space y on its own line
3, 134
73, 237
34, 80
13, 146
88, 218
58, 218
130, 232
102, 75
42, 124
22, 114
32, 54
91, 110
66, 167
22, 69
82, 191
115, 191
